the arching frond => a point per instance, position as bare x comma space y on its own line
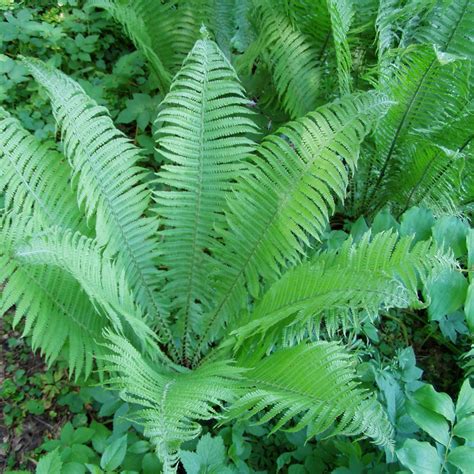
173, 403
377, 273
341, 17
317, 384
104, 283
57, 313
287, 197
429, 90
34, 178
203, 130
290, 58
134, 21
110, 185
450, 26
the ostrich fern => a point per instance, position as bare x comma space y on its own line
181, 290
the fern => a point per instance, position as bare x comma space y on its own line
172, 402
450, 26
110, 185
286, 198
185, 305
291, 59
371, 275
281, 388
341, 17
423, 89
202, 129
58, 315
34, 177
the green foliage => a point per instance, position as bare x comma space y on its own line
240, 267
436, 415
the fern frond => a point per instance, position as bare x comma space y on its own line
134, 18
34, 178
374, 274
203, 130
172, 403
429, 90
290, 58
341, 18
57, 313
110, 185
317, 385
286, 198
450, 27
104, 283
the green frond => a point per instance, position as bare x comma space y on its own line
450, 26
429, 90
433, 179
311, 17
172, 403
291, 59
104, 283
315, 384
396, 24
57, 313
110, 186
34, 179
135, 18
286, 198
377, 273
203, 129
341, 13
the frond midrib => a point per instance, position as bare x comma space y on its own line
197, 215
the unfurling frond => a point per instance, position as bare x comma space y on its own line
173, 403
109, 185
317, 385
203, 129
287, 197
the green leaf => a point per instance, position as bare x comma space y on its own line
99, 440
384, 221
151, 464
419, 457
469, 307
465, 428
139, 447
73, 468
358, 229
435, 425
417, 221
440, 403
465, 403
451, 232
82, 435
67, 433
447, 292
463, 458
50, 464
210, 453
114, 454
